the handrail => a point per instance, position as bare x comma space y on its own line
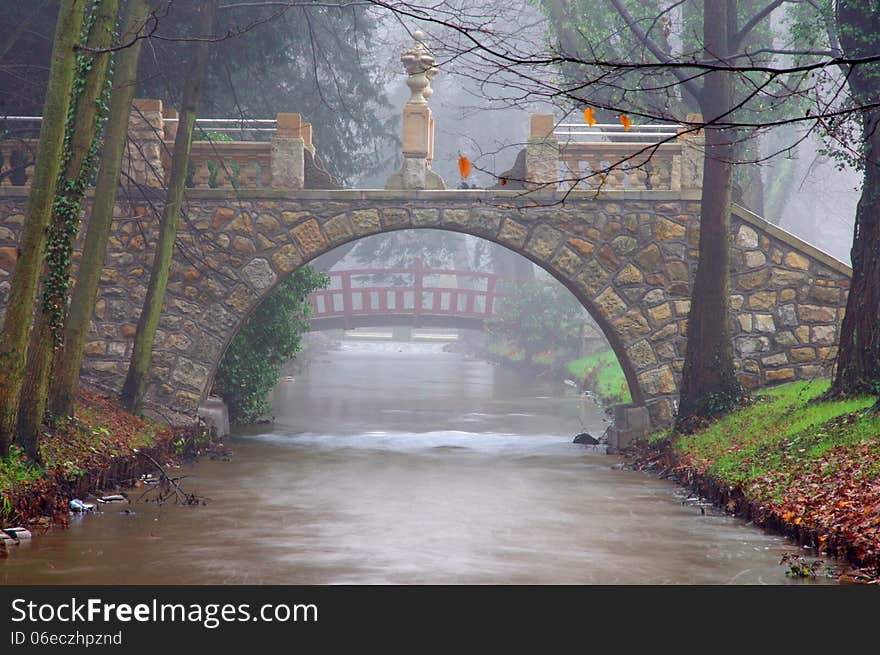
426, 299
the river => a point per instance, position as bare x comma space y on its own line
400, 463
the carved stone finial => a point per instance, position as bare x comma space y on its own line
419, 64
418, 121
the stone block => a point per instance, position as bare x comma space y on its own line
629, 275
660, 314
648, 258
287, 258
365, 221
822, 335
801, 355
796, 260
338, 229
513, 234
543, 242
666, 230
657, 381
395, 218
751, 281
763, 323
816, 314
567, 262
641, 355
632, 325
309, 237
259, 274
779, 375
754, 259
609, 303
746, 237
592, 279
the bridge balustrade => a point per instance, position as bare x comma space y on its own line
237, 153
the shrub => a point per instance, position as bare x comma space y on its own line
268, 338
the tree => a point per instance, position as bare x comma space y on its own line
25, 276
84, 123
537, 316
135, 382
270, 337
82, 304
858, 356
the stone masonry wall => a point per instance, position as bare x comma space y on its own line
628, 257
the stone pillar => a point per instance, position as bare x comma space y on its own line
171, 120
631, 423
542, 154
287, 159
144, 150
693, 148
418, 122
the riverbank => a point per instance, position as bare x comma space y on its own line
599, 373
791, 463
104, 448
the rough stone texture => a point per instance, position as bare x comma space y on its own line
629, 258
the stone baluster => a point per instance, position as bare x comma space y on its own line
418, 122
690, 169
146, 133
287, 161
542, 154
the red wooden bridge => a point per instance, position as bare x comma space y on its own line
416, 296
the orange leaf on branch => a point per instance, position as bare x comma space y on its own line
589, 116
464, 167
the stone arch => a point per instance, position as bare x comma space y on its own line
608, 254
602, 320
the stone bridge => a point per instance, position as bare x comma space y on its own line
628, 256
611, 212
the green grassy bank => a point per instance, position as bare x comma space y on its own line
805, 467
601, 374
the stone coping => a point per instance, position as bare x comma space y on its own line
526, 198
790, 239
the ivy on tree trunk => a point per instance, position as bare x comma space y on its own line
82, 304
26, 274
85, 120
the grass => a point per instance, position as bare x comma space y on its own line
603, 375
809, 463
784, 430
100, 432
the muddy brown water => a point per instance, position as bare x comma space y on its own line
400, 463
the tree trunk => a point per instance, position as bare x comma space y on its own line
81, 142
26, 274
82, 304
858, 356
136, 380
709, 387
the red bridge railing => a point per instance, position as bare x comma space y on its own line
426, 292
